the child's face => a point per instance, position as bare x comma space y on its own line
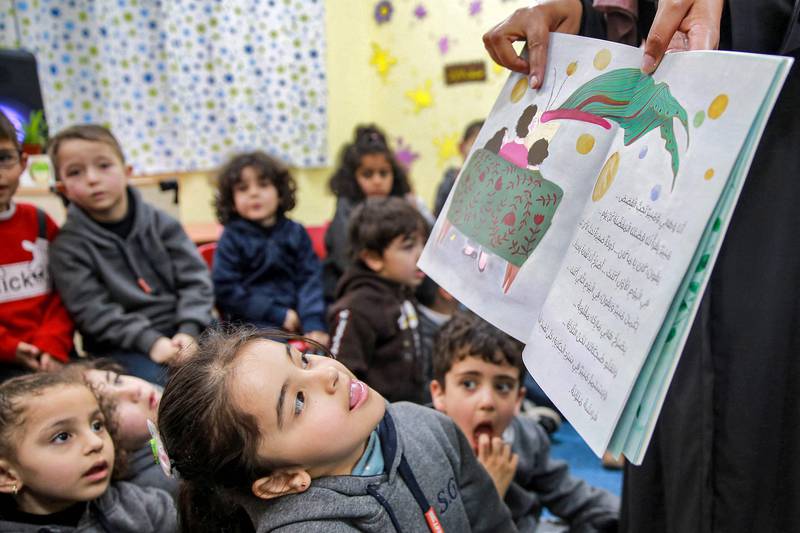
374, 176
64, 454
135, 401
399, 260
94, 177
312, 412
481, 397
12, 163
255, 199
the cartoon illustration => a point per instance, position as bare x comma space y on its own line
632, 100
503, 205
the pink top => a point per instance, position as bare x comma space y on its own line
515, 153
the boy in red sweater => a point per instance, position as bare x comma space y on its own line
35, 330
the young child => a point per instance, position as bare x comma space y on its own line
132, 280
302, 445
367, 169
56, 462
450, 175
374, 321
265, 270
35, 330
134, 401
477, 371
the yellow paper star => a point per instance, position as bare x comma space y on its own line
382, 60
421, 97
447, 147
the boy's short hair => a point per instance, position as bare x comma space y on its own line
8, 132
267, 168
471, 130
82, 132
376, 222
468, 335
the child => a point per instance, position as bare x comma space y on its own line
450, 175
367, 169
134, 402
374, 320
56, 462
132, 280
477, 370
265, 270
35, 330
298, 443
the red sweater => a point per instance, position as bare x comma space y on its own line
30, 310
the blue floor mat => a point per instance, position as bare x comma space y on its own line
583, 463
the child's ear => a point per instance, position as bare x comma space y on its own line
281, 483
437, 393
23, 160
372, 259
520, 397
10, 482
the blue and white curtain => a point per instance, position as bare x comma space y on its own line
183, 84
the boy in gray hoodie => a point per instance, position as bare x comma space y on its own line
477, 372
132, 280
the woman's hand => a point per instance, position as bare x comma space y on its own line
532, 25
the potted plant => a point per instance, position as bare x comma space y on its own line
35, 133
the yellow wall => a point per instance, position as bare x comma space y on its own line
357, 94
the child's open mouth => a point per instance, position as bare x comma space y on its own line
358, 393
98, 472
484, 428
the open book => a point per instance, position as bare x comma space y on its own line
589, 213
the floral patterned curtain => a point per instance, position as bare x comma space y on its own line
182, 83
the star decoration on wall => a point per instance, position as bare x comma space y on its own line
421, 97
382, 60
447, 147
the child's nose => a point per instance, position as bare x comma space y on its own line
486, 398
94, 442
330, 379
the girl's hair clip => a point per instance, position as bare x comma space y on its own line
159, 451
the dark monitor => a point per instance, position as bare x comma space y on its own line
20, 93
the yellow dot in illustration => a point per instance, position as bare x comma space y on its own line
585, 144
602, 59
452, 236
571, 68
518, 91
709, 174
447, 147
382, 60
718, 106
606, 177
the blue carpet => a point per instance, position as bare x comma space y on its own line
583, 463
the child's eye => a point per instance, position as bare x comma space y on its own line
60, 437
98, 426
304, 360
503, 387
72, 172
299, 403
469, 384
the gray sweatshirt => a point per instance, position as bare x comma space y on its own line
123, 508
543, 481
427, 461
125, 294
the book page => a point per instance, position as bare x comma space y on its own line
510, 217
674, 145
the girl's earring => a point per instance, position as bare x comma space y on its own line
15, 489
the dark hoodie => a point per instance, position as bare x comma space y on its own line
428, 464
126, 293
374, 328
260, 273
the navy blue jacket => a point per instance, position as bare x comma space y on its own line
260, 273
